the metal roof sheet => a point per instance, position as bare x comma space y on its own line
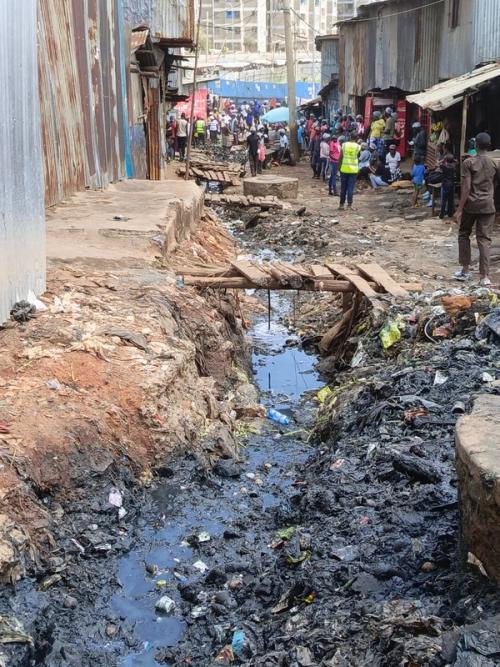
445, 94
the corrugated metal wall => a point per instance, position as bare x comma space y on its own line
486, 31
457, 45
168, 19
329, 60
22, 228
394, 50
83, 110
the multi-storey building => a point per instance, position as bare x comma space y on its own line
230, 26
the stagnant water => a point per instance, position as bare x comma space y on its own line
284, 374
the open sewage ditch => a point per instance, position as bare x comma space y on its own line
331, 541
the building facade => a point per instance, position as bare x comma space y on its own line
257, 26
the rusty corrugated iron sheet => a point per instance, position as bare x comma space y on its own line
138, 39
396, 49
171, 21
22, 227
81, 94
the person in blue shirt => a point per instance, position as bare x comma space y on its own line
300, 136
418, 178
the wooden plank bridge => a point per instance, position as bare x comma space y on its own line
366, 279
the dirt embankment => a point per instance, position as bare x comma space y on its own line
123, 366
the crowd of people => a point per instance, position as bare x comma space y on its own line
345, 151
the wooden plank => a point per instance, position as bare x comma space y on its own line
252, 272
241, 282
350, 275
382, 278
320, 271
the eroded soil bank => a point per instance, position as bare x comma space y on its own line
331, 541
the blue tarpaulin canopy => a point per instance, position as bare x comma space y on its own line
261, 90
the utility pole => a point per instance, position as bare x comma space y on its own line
191, 115
290, 72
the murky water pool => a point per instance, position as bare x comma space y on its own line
283, 372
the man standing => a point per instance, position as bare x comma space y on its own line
253, 150
283, 144
349, 168
182, 134
393, 161
477, 206
213, 128
199, 131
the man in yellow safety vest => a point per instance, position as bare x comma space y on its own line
199, 131
349, 168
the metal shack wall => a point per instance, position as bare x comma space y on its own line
329, 60
167, 19
81, 51
486, 31
22, 226
395, 48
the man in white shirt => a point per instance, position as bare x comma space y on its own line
182, 135
213, 129
392, 161
283, 144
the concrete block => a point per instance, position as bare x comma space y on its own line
478, 468
265, 185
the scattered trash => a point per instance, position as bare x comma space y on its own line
487, 377
286, 533
440, 378
490, 325
278, 416
122, 218
53, 384
165, 604
458, 408
161, 583
203, 537
39, 305
226, 656
238, 642
474, 560
22, 311
135, 339
179, 281
115, 497
323, 394
390, 334
335, 465
200, 566
49, 581
12, 631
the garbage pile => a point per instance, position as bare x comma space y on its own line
363, 565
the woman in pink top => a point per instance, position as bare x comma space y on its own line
334, 164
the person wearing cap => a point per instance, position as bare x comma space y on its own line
349, 168
393, 161
419, 141
477, 207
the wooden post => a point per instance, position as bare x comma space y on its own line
463, 136
191, 115
290, 72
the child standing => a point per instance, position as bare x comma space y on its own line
418, 178
448, 169
334, 165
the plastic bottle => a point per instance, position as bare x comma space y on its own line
179, 281
278, 416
